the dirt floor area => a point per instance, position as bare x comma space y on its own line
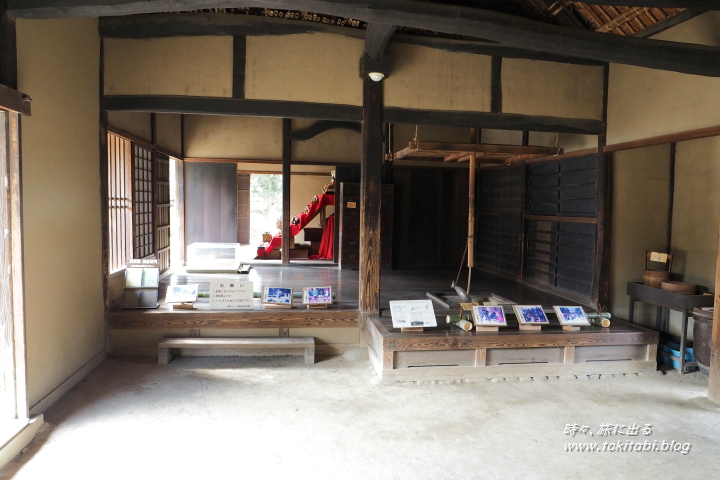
277, 418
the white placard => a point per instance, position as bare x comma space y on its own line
231, 295
658, 257
412, 313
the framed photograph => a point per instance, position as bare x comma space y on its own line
530, 315
486, 316
572, 315
317, 295
277, 296
181, 293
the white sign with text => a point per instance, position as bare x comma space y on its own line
231, 295
412, 313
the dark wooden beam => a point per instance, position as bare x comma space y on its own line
377, 36
239, 54
370, 188
8, 49
13, 100
562, 15
501, 121
496, 85
322, 126
499, 27
285, 109
204, 24
232, 106
286, 161
670, 22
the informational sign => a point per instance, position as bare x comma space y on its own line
412, 313
231, 295
658, 257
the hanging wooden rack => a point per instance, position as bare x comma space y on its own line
460, 152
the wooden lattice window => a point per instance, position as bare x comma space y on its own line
143, 235
119, 202
162, 210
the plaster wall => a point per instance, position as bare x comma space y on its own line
317, 68
533, 87
572, 143
58, 65
134, 123
338, 145
168, 129
428, 78
696, 210
217, 136
645, 103
641, 184
195, 66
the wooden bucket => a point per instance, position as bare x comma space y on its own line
655, 278
679, 287
702, 337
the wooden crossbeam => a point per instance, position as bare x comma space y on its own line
482, 148
500, 27
212, 24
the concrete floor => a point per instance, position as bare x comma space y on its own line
276, 418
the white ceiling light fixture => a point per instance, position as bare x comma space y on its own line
376, 76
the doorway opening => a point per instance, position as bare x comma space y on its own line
265, 206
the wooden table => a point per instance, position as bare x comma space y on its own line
671, 301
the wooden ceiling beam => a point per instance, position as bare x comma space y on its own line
377, 36
511, 30
159, 25
286, 109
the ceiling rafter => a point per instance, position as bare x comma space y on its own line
512, 30
621, 18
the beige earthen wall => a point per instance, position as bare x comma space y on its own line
58, 65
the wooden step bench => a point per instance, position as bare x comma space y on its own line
287, 345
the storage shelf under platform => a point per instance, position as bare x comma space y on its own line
449, 353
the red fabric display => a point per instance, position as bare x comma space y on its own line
303, 219
328, 240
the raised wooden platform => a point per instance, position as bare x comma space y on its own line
449, 353
165, 317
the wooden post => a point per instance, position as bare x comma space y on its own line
471, 210
714, 367
601, 274
286, 158
370, 188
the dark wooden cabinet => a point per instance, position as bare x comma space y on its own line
349, 225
